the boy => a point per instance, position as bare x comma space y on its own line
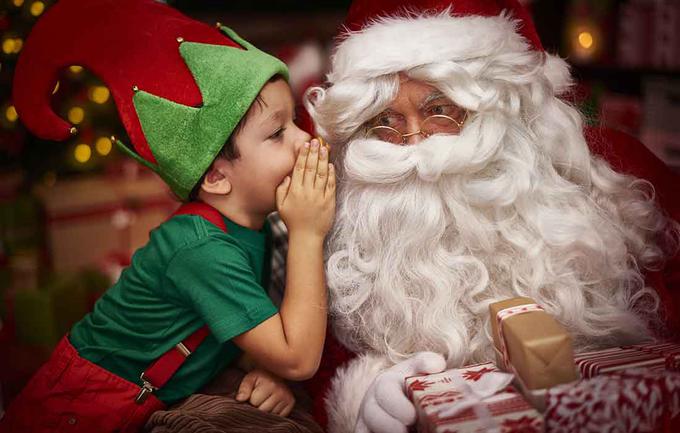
193, 297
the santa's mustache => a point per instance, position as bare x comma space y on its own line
371, 161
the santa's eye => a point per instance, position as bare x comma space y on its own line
445, 109
386, 119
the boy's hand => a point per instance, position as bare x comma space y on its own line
306, 200
266, 392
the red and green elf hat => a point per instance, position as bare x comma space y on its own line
180, 86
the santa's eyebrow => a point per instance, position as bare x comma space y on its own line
432, 97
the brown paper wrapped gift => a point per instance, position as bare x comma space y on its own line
539, 349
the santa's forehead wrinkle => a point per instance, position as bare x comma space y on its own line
412, 95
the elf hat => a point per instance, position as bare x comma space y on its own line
180, 86
385, 37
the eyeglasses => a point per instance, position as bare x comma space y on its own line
435, 124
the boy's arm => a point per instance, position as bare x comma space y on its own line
289, 344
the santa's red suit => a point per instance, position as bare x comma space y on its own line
624, 153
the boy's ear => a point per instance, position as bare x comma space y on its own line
216, 180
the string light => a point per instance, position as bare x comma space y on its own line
37, 8
11, 113
56, 88
18, 45
585, 39
75, 69
8, 46
103, 145
18, 3
99, 94
82, 153
76, 115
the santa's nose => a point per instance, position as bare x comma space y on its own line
414, 135
414, 139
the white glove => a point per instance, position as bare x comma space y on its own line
385, 407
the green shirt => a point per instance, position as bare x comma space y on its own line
189, 274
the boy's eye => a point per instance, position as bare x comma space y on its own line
278, 134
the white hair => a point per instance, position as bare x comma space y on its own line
427, 236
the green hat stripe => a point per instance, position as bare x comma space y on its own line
185, 140
131, 153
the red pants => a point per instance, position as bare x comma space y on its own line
71, 394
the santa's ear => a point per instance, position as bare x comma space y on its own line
216, 179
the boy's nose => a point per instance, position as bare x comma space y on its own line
301, 140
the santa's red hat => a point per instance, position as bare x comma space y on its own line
385, 37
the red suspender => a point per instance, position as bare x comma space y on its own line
162, 370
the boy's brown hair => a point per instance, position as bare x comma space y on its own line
230, 152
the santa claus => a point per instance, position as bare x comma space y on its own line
465, 179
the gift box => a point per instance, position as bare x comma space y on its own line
477, 398
87, 218
652, 357
638, 400
531, 344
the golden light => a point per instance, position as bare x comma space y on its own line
103, 145
11, 113
8, 46
18, 3
82, 153
75, 69
99, 94
585, 39
56, 88
76, 115
18, 44
37, 8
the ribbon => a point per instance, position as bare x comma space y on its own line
504, 315
490, 383
474, 393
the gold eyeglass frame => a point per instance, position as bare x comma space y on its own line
404, 137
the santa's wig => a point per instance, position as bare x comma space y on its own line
427, 236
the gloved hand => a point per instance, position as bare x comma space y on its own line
385, 407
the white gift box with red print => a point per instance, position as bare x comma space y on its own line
477, 398
627, 389
652, 357
637, 400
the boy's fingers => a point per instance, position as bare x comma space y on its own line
322, 170
280, 406
299, 169
330, 183
312, 161
259, 395
245, 389
269, 404
282, 191
288, 409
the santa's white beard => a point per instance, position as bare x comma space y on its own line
426, 236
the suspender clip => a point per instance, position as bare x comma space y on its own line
146, 389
